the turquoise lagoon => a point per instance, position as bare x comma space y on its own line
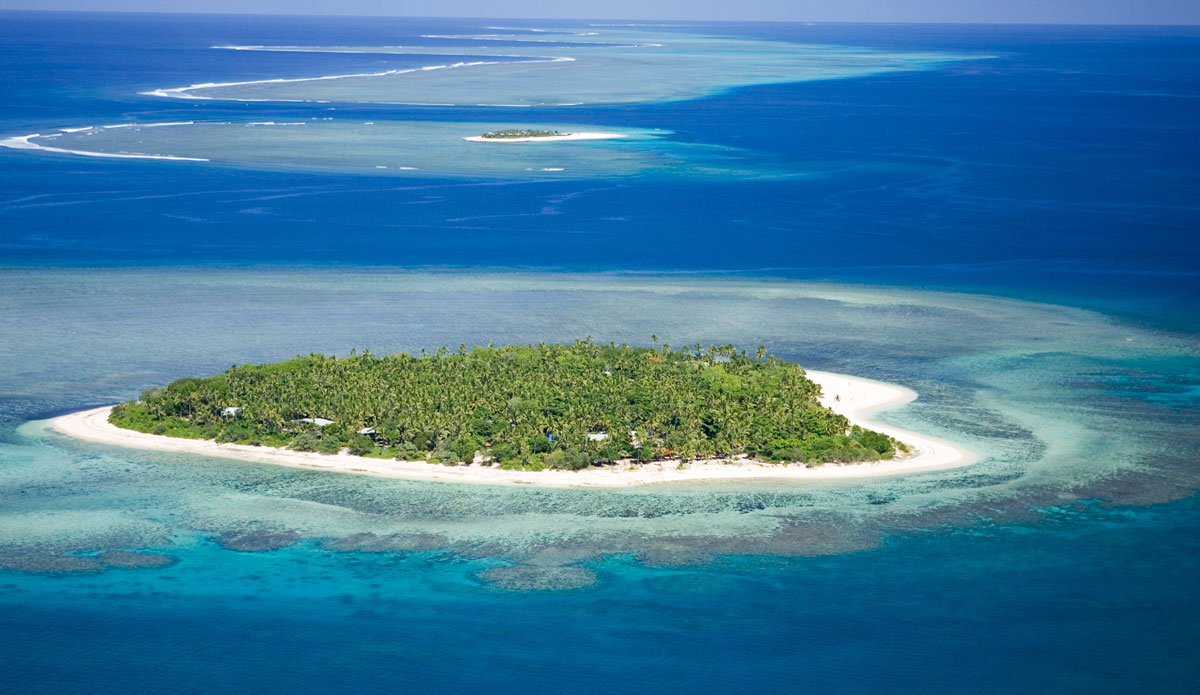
563, 68
136, 570
1062, 405
417, 149
604, 66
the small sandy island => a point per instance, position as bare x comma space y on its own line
549, 138
851, 396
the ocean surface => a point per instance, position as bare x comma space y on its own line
1003, 218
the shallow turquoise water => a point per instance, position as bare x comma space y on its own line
937, 582
1062, 404
424, 149
549, 67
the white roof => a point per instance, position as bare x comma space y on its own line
318, 421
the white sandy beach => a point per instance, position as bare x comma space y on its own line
851, 396
550, 138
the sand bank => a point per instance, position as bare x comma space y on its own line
853, 397
550, 138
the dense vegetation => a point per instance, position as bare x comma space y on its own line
555, 406
512, 133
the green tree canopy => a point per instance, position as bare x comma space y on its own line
529, 406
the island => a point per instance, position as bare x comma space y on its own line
514, 135
521, 133
528, 413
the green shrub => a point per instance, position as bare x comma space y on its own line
306, 441
408, 452
361, 445
570, 460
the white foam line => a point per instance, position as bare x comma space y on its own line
563, 32
539, 31
383, 50
134, 125
513, 39
598, 24
22, 142
387, 50
184, 92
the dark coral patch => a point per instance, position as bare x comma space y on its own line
257, 541
532, 578
48, 563
390, 543
128, 560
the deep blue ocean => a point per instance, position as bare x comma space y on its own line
1059, 176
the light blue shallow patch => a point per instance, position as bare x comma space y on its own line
416, 148
615, 66
1014, 381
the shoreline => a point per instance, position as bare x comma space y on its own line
853, 397
550, 138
